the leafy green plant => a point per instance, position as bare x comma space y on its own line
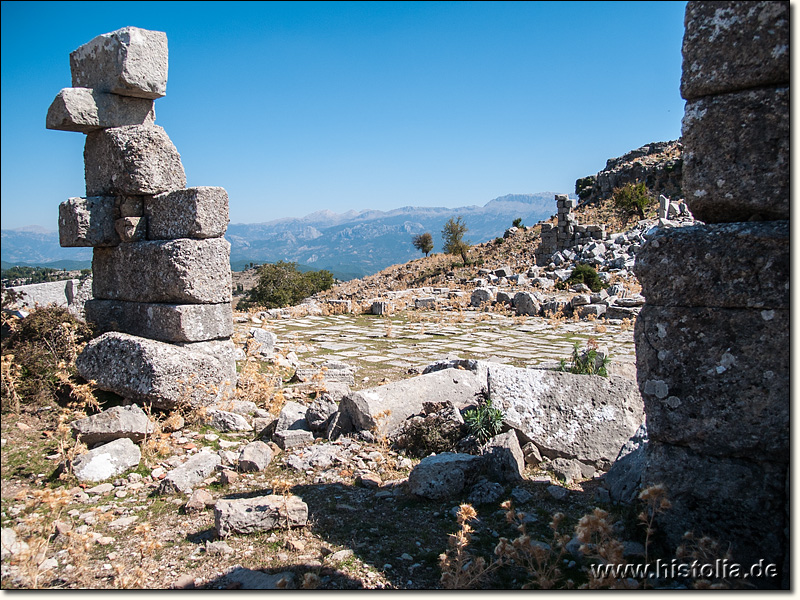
632, 197
282, 284
517, 222
453, 236
485, 421
587, 275
423, 242
587, 362
498, 241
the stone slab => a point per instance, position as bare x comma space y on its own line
399, 400
716, 380
131, 160
729, 46
733, 500
106, 461
84, 110
585, 417
727, 265
112, 424
86, 222
129, 61
177, 271
736, 156
164, 322
196, 212
165, 375
262, 513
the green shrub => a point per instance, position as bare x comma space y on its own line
587, 275
485, 421
517, 222
632, 197
587, 362
38, 352
282, 284
498, 241
584, 186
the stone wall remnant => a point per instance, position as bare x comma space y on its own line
712, 340
161, 267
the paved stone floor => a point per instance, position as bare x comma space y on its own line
393, 347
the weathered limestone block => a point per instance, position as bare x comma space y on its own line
129, 206
255, 456
178, 271
116, 422
504, 458
481, 297
106, 461
525, 303
129, 62
730, 265
716, 380
87, 222
131, 229
444, 475
399, 400
85, 110
131, 160
733, 500
166, 375
164, 322
736, 156
586, 417
727, 48
262, 513
197, 212
183, 478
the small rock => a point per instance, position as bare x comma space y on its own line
557, 492
218, 547
105, 540
228, 477
199, 501
184, 582
370, 480
340, 555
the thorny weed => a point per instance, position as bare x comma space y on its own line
380, 429
460, 568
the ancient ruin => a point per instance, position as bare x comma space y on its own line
161, 270
712, 341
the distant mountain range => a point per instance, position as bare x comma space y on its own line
351, 244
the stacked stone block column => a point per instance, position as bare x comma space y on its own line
161, 269
712, 341
567, 233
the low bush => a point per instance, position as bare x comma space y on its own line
632, 197
587, 275
485, 421
282, 284
588, 362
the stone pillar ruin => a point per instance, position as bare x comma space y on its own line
712, 341
567, 233
161, 268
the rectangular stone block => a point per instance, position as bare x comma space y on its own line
733, 500
174, 272
736, 156
716, 380
163, 322
166, 375
85, 110
86, 222
134, 160
196, 212
726, 265
129, 62
730, 45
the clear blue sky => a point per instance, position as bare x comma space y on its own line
297, 107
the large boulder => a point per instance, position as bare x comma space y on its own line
136, 160
385, 408
185, 477
85, 110
129, 62
586, 417
624, 479
503, 457
262, 513
716, 380
166, 375
117, 422
196, 212
163, 322
444, 475
179, 271
106, 461
86, 222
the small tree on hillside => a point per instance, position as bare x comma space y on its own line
423, 242
453, 236
282, 284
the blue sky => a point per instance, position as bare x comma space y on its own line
302, 106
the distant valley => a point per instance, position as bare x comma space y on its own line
352, 244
